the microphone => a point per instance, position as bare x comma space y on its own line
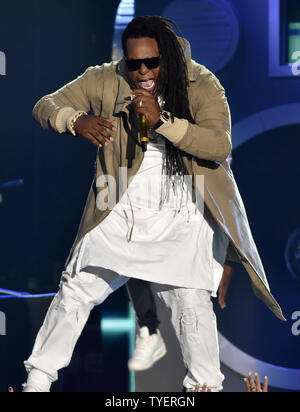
144, 131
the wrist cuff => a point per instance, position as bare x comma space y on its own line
72, 119
62, 117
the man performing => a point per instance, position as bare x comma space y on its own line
150, 224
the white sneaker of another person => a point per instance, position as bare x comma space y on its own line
148, 350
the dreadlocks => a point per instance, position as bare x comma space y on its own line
173, 78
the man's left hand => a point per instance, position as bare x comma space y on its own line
224, 285
146, 103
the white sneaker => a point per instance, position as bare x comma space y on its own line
148, 350
32, 389
38, 381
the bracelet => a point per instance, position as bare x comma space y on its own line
72, 121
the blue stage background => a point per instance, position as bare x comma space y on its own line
49, 44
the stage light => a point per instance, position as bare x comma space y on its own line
114, 326
125, 13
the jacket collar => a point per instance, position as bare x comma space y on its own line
124, 91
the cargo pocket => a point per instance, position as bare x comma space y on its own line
188, 325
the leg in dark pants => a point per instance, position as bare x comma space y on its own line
143, 301
150, 346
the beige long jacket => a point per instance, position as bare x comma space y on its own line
105, 91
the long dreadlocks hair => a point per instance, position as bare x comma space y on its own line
173, 78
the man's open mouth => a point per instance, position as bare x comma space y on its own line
147, 84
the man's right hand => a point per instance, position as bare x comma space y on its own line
95, 129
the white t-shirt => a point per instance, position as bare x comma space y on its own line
183, 249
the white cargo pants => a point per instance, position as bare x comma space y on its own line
80, 290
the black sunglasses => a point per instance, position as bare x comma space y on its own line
135, 64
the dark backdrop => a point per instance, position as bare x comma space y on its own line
47, 44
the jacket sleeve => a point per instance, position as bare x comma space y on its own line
80, 94
210, 137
